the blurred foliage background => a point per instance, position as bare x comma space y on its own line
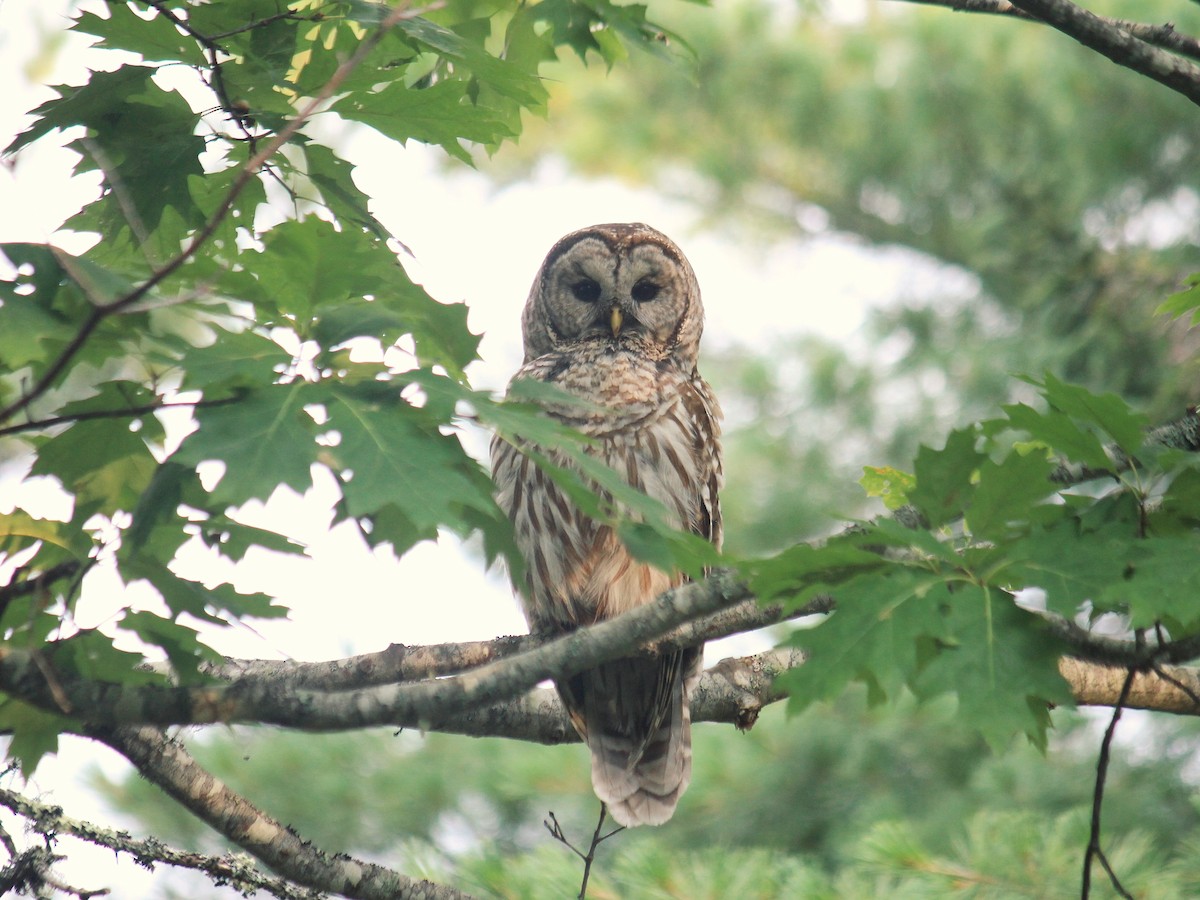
1049, 202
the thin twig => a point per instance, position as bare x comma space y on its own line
39, 424
166, 763
552, 825
1093, 848
238, 872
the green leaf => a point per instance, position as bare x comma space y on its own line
501, 75
889, 484
184, 596
668, 550
1006, 491
1108, 412
881, 620
1181, 503
439, 330
1185, 302
34, 732
921, 543
90, 655
156, 38
28, 330
103, 462
1060, 433
309, 264
1073, 566
18, 529
235, 539
441, 114
180, 642
943, 489
802, 571
333, 177
151, 530
395, 455
1159, 583
265, 439
1000, 662
140, 136
237, 360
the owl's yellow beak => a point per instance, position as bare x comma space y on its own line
616, 320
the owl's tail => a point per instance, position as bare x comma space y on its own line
634, 715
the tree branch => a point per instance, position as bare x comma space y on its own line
1164, 36
1131, 47
480, 700
142, 410
237, 872
733, 692
166, 763
424, 704
401, 662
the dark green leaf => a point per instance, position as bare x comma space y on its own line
1006, 492
140, 136
944, 488
333, 177
873, 636
90, 655
34, 732
28, 330
235, 360
156, 529
440, 114
156, 38
1060, 433
800, 572
1000, 662
180, 642
395, 456
184, 596
265, 439
1108, 412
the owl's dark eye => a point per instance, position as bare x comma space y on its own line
645, 291
586, 290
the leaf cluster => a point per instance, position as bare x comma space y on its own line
242, 319
1066, 509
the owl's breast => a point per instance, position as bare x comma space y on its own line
618, 388
654, 428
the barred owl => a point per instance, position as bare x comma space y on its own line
614, 318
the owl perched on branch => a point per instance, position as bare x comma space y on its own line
614, 318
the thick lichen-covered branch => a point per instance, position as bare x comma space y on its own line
238, 872
166, 763
423, 704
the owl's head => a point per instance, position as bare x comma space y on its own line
626, 284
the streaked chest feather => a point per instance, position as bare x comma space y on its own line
577, 570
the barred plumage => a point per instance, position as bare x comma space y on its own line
615, 318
